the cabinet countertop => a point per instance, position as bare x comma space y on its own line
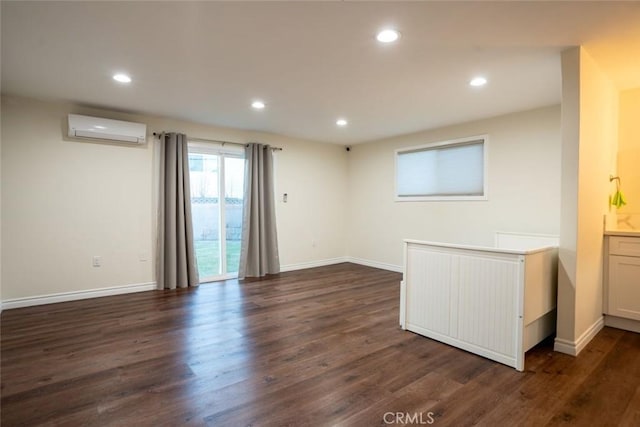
622, 232
622, 225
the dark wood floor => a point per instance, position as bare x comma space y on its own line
315, 347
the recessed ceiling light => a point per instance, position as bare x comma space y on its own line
122, 78
478, 81
341, 122
388, 36
258, 105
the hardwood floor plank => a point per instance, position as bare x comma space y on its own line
317, 347
607, 390
535, 399
631, 417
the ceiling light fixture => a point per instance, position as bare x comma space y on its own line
478, 81
341, 122
258, 105
122, 78
388, 36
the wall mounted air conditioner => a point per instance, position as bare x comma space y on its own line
112, 130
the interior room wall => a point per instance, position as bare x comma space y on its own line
629, 149
311, 224
567, 252
0, 173
65, 201
0, 212
524, 192
598, 147
0, 215
590, 134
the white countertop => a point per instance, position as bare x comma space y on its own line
621, 232
622, 225
481, 248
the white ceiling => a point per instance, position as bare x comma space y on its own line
312, 62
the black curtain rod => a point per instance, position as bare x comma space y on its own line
218, 141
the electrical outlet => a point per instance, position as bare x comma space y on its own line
97, 261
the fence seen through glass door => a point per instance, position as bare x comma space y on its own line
217, 221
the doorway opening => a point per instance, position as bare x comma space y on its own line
217, 189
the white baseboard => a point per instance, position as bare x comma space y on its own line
312, 264
621, 323
77, 295
376, 264
140, 287
574, 348
339, 260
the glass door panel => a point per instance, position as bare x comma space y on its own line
205, 209
234, 191
217, 188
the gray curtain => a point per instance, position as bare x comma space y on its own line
259, 249
177, 266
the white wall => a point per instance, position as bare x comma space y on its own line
311, 225
65, 201
0, 214
598, 146
524, 191
590, 124
567, 270
629, 149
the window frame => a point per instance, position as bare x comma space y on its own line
447, 143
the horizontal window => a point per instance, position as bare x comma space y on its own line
448, 170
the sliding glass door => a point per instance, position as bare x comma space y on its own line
217, 187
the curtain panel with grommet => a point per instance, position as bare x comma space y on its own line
176, 257
259, 247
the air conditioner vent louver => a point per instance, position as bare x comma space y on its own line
106, 129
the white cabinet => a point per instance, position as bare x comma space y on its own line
494, 302
622, 287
